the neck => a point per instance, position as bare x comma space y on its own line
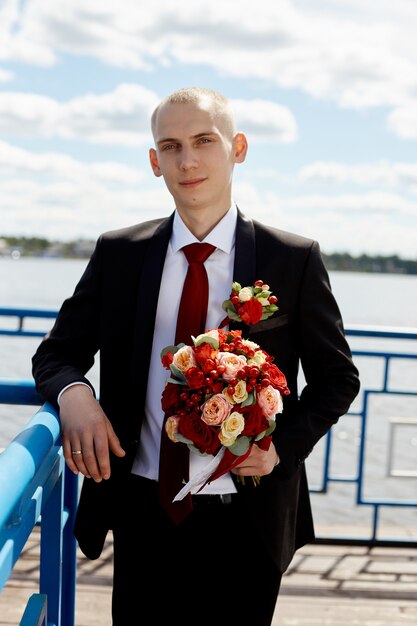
200, 223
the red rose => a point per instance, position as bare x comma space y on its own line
250, 311
171, 396
276, 377
195, 378
202, 435
203, 352
255, 421
167, 360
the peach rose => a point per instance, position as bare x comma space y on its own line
215, 410
171, 427
232, 362
270, 401
184, 358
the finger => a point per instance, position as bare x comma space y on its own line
68, 456
102, 456
114, 442
87, 463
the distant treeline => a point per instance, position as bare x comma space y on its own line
344, 262
338, 261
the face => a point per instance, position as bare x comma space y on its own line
196, 153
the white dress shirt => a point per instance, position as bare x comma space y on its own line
219, 267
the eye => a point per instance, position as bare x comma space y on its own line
204, 140
169, 146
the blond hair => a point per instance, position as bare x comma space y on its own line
218, 104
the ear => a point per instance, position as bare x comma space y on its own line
154, 162
240, 147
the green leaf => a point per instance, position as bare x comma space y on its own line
260, 435
206, 339
232, 313
249, 400
271, 428
175, 381
182, 438
167, 349
236, 286
241, 446
177, 373
195, 450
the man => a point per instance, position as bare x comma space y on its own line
223, 563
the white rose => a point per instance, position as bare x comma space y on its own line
245, 294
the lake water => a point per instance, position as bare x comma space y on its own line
385, 300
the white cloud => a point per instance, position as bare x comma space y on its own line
403, 121
372, 223
123, 117
350, 52
381, 173
265, 121
21, 163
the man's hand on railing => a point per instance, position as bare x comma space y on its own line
86, 433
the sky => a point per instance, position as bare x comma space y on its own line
325, 91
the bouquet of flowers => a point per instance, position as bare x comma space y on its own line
223, 393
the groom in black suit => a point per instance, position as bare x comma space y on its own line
222, 564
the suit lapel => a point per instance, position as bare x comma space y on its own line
244, 271
147, 300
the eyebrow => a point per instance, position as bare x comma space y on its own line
197, 136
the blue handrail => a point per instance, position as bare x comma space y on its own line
36, 488
25, 314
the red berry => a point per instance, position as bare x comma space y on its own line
273, 299
235, 300
258, 283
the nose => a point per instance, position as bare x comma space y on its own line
188, 160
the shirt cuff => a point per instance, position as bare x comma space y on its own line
71, 385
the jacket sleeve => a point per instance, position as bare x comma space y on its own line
67, 352
331, 378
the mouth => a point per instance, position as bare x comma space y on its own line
191, 183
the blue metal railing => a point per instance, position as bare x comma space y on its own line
21, 315
357, 478
36, 487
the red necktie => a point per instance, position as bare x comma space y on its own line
174, 457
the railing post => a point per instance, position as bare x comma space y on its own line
36, 611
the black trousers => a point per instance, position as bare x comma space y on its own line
210, 569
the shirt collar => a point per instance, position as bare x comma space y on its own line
222, 236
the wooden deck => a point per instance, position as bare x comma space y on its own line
324, 586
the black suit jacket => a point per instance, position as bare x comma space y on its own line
112, 311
